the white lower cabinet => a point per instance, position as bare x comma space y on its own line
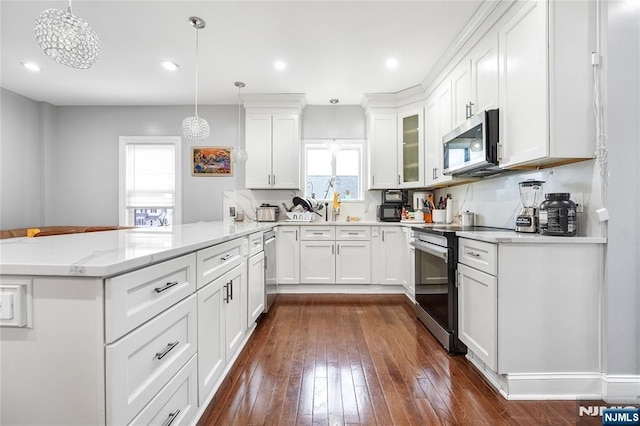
211, 359
391, 255
255, 287
142, 362
335, 255
235, 316
176, 403
478, 313
317, 262
353, 264
288, 254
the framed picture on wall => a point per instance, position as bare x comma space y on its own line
211, 161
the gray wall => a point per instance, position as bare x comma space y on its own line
86, 177
323, 122
22, 169
60, 164
622, 292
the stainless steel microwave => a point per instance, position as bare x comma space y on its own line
471, 149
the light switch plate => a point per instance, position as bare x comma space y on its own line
16, 300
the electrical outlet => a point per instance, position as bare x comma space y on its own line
578, 198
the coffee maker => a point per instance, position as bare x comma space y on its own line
531, 196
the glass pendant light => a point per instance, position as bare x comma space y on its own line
66, 38
196, 128
239, 155
334, 146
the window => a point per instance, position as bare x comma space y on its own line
149, 192
333, 168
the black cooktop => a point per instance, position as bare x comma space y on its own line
449, 229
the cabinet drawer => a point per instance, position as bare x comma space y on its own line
317, 233
143, 362
176, 403
478, 254
215, 261
134, 298
255, 243
346, 233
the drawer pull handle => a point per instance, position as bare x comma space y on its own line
317, 233
226, 257
473, 253
170, 346
165, 287
172, 417
352, 233
256, 243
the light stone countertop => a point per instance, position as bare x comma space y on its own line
107, 253
512, 237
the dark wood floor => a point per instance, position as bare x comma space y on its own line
362, 359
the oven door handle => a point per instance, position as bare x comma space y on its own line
440, 252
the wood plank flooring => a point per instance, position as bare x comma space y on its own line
362, 360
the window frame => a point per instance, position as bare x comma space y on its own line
124, 141
360, 144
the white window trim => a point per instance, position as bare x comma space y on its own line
346, 143
165, 140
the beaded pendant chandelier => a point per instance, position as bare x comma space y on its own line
66, 38
196, 128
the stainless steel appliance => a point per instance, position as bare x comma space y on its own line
267, 213
392, 196
390, 212
270, 275
471, 149
531, 196
436, 258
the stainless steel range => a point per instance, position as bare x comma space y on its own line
436, 259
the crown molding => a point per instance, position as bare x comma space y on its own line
274, 100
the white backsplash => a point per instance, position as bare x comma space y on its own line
496, 201
247, 200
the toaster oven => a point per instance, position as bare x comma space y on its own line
390, 212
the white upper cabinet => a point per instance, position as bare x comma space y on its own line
524, 86
438, 122
545, 84
272, 132
273, 145
461, 92
382, 138
484, 75
411, 148
474, 82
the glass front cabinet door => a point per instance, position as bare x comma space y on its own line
411, 149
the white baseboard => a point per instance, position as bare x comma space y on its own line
621, 389
613, 389
340, 289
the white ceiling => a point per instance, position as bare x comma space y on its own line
332, 49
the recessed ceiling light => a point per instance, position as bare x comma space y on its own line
30, 66
169, 66
392, 63
279, 65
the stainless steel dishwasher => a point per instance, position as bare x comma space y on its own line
270, 280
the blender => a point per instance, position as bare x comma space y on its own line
530, 195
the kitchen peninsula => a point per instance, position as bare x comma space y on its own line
112, 322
